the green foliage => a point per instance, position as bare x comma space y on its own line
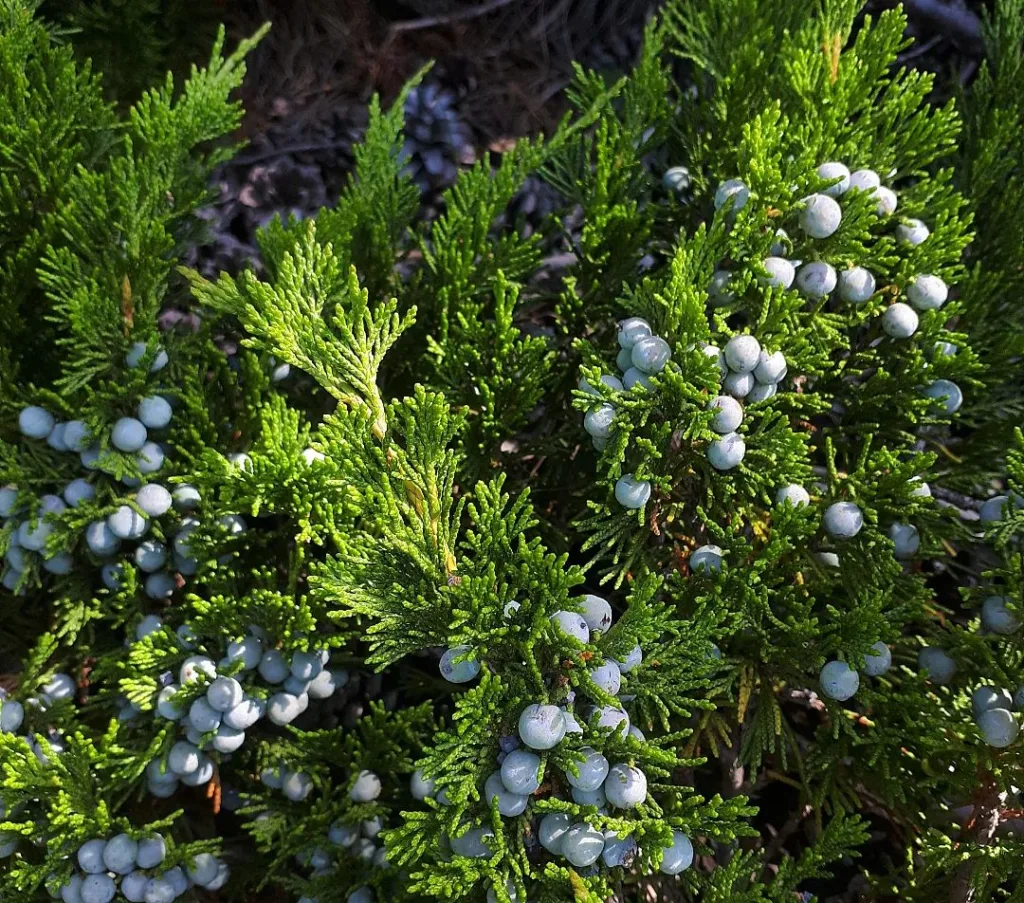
391, 466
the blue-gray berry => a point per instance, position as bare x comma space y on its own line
119, 855
816, 279
56, 438
150, 555
203, 868
12, 714
607, 676
856, 285
35, 422
912, 232
626, 786
306, 665
633, 377
160, 585
273, 668
596, 612
795, 495
60, 564
771, 368
885, 201
593, 770
677, 856
832, 172
939, 666
633, 657
509, 804
612, 382
519, 772
133, 886
780, 272
985, 698
820, 215
8, 500
128, 435
474, 844
727, 451
877, 660
599, 420
90, 856
632, 493
572, 624
154, 412
676, 179
718, 289
947, 393
615, 718
541, 726
203, 716
843, 520
651, 354
185, 497
732, 194
906, 539
366, 789
900, 320
632, 330
245, 714
78, 491
865, 180
707, 559
150, 458
998, 727
927, 292
728, 414
77, 436
458, 665
582, 844
224, 693
839, 681
127, 523
715, 353
100, 539
138, 350
761, 392
98, 889
738, 385
283, 708
997, 617
742, 353
552, 830
153, 499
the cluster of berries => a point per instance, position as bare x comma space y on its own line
591, 781
133, 868
820, 216
993, 713
359, 840
34, 522
750, 373
296, 785
641, 355
221, 708
839, 681
12, 712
